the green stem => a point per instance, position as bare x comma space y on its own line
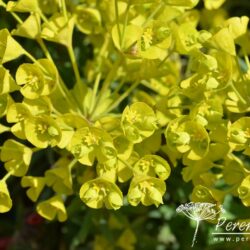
74, 64
64, 9
73, 163
117, 21
152, 15
118, 88
5, 178
34, 150
94, 94
123, 96
111, 76
125, 163
18, 19
44, 49
125, 23
238, 93
44, 18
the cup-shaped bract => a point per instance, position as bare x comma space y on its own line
23, 6
5, 100
69, 123
16, 157
244, 191
237, 26
213, 4
30, 28
147, 190
189, 137
124, 169
5, 200
186, 38
35, 186
42, 131
123, 146
239, 102
89, 143
52, 208
152, 165
101, 192
234, 171
59, 177
138, 122
154, 41
88, 20
223, 40
17, 113
7, 83
10, 49
31, 79
204, 194
239, 134
59, 30
50, 74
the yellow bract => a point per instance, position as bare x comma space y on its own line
30, 28
101, 192
145, 189
9, 48
5, 200
35, 185
88, 20
23, 6
213, 4
16, 157
52, 208
138, 122
42, 131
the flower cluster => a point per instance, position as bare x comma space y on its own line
164, 86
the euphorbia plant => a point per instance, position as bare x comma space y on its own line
158, 91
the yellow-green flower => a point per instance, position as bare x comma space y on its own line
4, 103
52, 208
244, 191
10, 49
35, 185
189, 137
17, 113
101, 192
138, 122
59, 177
30, 28
5, 200
16, 157
42, 131
89, 143
31, 78
213, 4
147, 190
152, 165
7, 83
23, 6
239, 134
88, 20
58, 29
